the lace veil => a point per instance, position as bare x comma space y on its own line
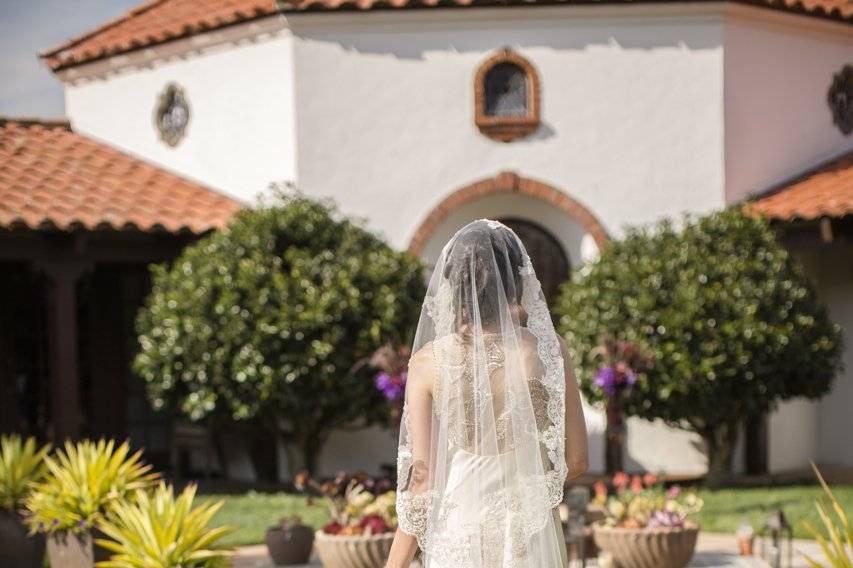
481, 458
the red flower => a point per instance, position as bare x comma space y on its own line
332, 527
374, 524
600, 490
636, 484
621, 480
650, 479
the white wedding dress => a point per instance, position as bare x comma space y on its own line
481, 461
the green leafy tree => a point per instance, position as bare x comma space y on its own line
733, 325
262, 323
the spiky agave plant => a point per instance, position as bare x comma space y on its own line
159, 530
21, 463
837, 543
83, 481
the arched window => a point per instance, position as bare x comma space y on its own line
506, 97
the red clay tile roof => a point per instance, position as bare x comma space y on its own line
825, 192
153, 22
52, 178
159, 21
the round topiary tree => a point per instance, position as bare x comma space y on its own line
728, 316
261, 324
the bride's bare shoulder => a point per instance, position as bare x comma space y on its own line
422, 367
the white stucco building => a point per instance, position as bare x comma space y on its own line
645, 110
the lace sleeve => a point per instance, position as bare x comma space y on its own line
414, 497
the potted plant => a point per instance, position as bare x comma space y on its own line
158, 530
21, 463
290, 542
645, 525
363, 520
83, 481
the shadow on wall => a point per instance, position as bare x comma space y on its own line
416, 40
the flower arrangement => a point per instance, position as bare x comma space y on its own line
643, 502
621, 361
391, 363
358, 504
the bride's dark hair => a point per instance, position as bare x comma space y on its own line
483, 262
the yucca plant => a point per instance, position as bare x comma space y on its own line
837, 543
83, 481
21, 463
158, 530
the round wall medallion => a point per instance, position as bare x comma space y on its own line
840, 99
172, 115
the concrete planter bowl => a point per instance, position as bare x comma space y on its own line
648, 548
353, 551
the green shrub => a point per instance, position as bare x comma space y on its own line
733, 324
21, 463
83, 481
157, 530
262, 323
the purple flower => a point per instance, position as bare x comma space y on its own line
606, 379
393, 387
661, 518
673, 492
81, 524
613, 380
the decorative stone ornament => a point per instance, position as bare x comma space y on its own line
506, 97
840, 99
172, 115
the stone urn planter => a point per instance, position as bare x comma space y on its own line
17, 548
70, 550
290, 543
648, 547
337, 551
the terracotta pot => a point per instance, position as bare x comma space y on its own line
353, 551
17, 548
745, 545
290, 545
68, 550
648, 548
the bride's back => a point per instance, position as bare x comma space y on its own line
481, 380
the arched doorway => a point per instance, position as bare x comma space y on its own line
547, 255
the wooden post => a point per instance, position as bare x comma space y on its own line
66, 412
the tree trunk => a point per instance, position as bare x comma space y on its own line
310, 446
720, 440
263, 451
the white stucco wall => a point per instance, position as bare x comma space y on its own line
778, 69
792, 436
631, 110
239, 84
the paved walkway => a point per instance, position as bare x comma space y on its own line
712, 551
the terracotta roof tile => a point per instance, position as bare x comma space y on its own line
53, 177
153, 22
824, 192
159, 21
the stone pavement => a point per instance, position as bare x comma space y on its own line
712, 551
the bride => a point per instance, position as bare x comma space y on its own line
492, 422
